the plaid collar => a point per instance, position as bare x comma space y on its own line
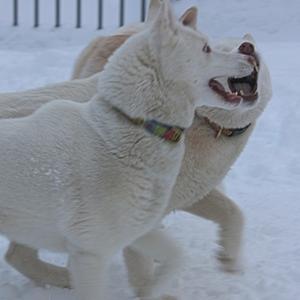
228, 132
169, 133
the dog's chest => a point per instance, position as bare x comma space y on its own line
206, 162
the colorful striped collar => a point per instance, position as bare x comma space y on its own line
169, 133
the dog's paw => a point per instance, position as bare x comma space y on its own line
230, 264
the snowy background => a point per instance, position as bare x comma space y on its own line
264, 181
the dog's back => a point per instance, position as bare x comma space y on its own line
96, 54
93, 58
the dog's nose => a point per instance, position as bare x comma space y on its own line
247, 48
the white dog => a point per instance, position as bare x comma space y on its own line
205, 164
213, 143
89, 179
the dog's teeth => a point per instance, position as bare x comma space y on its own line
241, 92
255, 67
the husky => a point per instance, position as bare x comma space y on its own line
91, 178
213, 143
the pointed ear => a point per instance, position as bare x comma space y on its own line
166, 17
249, 37
190, 17
165, 27
165, 20
152, 10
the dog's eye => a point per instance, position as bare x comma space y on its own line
206, 48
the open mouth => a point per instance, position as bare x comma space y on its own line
243, 88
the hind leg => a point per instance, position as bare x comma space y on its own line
223, 211
26, 261
152, 262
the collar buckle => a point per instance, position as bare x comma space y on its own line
228, 132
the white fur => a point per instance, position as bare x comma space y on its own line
82, 179
22, 104
93, 57
206, 162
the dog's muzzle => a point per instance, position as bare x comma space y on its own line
242, 88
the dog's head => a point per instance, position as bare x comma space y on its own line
186, 56
249, 94
255, 88
182, 62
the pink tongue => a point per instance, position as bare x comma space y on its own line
229, 97
232, 97
217, 86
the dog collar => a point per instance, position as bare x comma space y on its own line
169, 133
228, 132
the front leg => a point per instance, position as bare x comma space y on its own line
149, 280
223, 211
88, 274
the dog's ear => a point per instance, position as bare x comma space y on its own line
152, 10
190, 17
165, 26
249, 37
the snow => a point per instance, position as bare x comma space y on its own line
264, 181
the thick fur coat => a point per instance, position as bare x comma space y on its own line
81, 178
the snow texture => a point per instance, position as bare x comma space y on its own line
264, 181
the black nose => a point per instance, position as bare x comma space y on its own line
247, 48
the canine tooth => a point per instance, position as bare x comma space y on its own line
241, 93
255, 66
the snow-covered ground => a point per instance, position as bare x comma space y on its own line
264, 181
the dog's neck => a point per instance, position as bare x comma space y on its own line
166, 132
227, 132
132, 82
219, 119
235, 119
